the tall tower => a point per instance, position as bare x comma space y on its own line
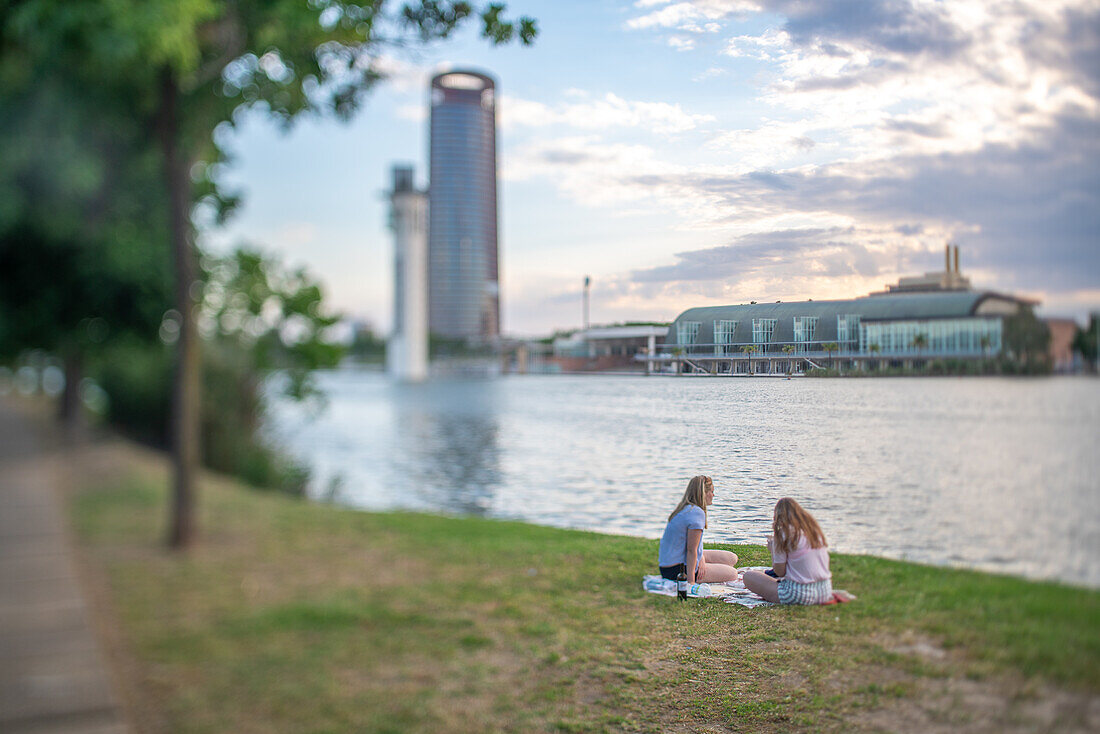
407, 350
463, 281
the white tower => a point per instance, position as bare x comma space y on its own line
407, 350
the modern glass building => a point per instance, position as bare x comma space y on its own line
463, 260
889, 326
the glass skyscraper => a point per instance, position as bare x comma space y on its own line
463, 282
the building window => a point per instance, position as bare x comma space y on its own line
940, 337
687, 332
723, 337
847, 332
805, 328
762, 330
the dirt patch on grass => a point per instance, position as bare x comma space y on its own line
919, 646
962, 705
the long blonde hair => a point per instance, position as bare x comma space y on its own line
695, 494
791, 523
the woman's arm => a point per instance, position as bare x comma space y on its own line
694, 538
780, 569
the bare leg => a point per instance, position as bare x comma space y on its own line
762, 584
717, 573
726, 558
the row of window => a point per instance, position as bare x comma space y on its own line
952, 336
474, 223
957, 336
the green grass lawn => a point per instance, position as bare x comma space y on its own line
298, 617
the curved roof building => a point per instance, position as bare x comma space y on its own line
463, 279
951, 322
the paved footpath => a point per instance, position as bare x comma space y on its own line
53, 675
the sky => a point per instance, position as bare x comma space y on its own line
711, 152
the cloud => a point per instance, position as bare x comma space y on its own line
709, 73
671, 16
1029, 214
607, 112
402, 75
923, 129
1026, 216
892, 127
893, 26
749, 255
901, 76
698, 16
770, 144
590, 170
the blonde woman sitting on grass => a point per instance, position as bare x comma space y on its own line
800, 559
682, 543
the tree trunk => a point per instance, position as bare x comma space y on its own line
185, 388
72, 411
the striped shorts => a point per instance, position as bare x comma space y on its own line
792, 592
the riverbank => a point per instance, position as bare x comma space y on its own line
292, 616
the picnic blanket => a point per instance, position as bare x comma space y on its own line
733, 592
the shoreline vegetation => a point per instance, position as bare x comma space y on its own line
294, 616
941, 368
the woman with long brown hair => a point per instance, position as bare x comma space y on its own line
682, 543
800, 559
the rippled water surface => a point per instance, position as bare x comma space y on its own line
1000, 474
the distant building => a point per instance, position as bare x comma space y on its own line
606, 347
949, 280
1062, 356
463, 261
934, 316
407, 349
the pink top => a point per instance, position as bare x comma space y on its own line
805, 565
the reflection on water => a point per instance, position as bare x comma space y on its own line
994, 473
444, 445
380, 445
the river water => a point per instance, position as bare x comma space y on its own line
992, 473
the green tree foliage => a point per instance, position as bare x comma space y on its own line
366, 346
1026, 341
83, 255
69, 295
1085, 340
261, 321
748, 350
184, 67
265, 329
789, 349
272, 314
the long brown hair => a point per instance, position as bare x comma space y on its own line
695, 494
791, 523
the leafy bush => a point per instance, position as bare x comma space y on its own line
137, 378
138, 381
258, 318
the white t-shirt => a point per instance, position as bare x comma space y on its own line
805, 565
